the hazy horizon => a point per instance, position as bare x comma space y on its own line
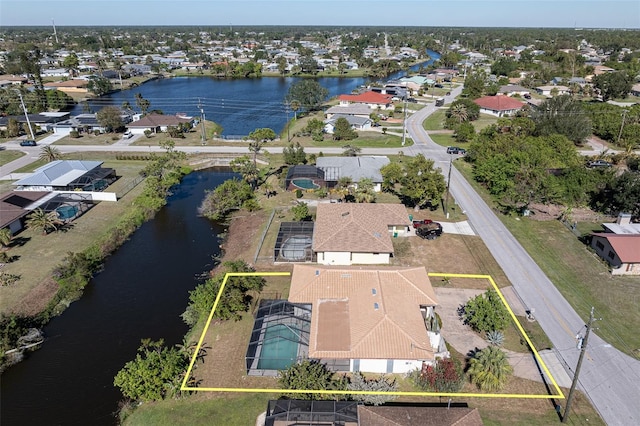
590, 14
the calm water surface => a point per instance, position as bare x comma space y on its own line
140, 294
239, 106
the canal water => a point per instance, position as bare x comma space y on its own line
140, 294
144, 286
239, 106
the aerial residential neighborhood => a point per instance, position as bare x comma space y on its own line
366, 225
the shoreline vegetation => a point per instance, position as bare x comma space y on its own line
71, 276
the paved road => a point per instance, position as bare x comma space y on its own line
610, 378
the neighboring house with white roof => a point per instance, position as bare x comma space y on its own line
549, 91
356, 122
373, 320
356, 168
352, 233
67, 175
360, 110
514, 89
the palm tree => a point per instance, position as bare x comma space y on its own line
343, 187
365, 192
49, 153
489, 369
459, 113
5, 237
39, 219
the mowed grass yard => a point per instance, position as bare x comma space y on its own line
8, 156
39, 254
581, 276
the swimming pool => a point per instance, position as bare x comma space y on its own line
304, 183
279, 348
296, 247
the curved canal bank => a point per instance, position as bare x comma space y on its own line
140, 294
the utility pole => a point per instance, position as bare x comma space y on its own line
55, 33
286, 108
582, 342
624, 116
26, 115
446, 200
204, 132
404, 122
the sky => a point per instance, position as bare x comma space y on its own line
428, 13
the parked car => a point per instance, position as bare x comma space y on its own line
598, 163
412, 100
439, 86
28, 142
527, 96
429, 231
127, 135
456, 150
439, 102
419, 223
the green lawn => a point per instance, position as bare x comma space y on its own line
483, 121
240, 410
582, 278
435, 121
445, 139
8, 156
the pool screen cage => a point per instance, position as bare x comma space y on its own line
67, 206
304, 172
289, 324
294, 242
302, 412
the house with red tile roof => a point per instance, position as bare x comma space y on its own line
369, 319
373, 100
499, 105
619, 245
361, 234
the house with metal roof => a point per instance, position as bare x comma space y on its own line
360, 110
358, 234
68, 175
356, 168
356, 122
369, 319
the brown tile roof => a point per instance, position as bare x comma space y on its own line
390, 415
626, 246
499, 103
354, 227
158, 120
12, 205
365, 312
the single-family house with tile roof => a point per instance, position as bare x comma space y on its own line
356, 168
621, 251
360, 234
369, 319
156, 123
69, 86
499, 105
619, 245
370, 98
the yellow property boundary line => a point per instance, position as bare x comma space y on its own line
184, 386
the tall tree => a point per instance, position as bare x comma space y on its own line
309, 93
99, 85
562, 115
49, 153
613, 84
142, 103
25, 59
420, 184
342, 130
258, 138
110, 118
71, 63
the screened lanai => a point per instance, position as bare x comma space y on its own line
293, 243
280, 337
